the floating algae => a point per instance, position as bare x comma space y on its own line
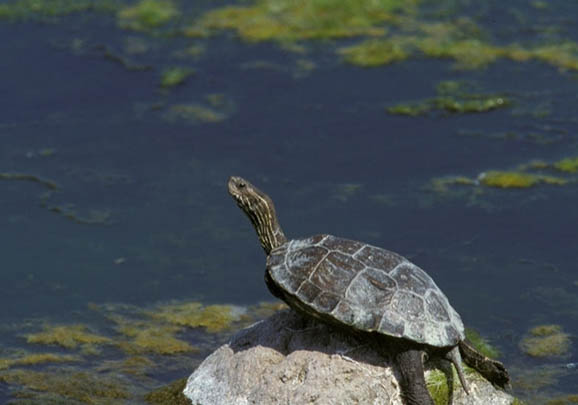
175, 76
527, 175
25, 9
36, 358
512, 179
67, 336
374, 52
565, 400
214, 318
147, 337
546, 341
67, 385
147, 15
452, 98
29, 177
568, 165
289, 20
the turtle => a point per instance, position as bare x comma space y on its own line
366, 291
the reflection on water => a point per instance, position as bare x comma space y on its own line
117, 144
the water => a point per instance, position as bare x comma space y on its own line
141, 214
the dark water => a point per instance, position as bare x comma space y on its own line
507, 261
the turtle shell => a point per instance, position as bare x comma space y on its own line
364, 287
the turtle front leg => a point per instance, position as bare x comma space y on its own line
412, 382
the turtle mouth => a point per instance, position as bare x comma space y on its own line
235, 185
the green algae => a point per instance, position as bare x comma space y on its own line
169, 394
194, 113
71, 385
67, 336
147, 337
568, 165
565, 400
35, 359
214, 318
289, 20
513, 179
374, 52
453, 97
444, 184
49, 184
147, 15
546, 341
25, 9
133, 365
175, 76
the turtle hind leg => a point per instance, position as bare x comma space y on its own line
454, 356
412, 382
492, 370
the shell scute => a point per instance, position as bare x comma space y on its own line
411, 305
435, 307
335, 273
326, 302
409, 277
302, 262
371, 289
375, 257
391, 321
342, 245
308, 291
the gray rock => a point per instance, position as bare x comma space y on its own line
288, 359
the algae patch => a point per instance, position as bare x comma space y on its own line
147, 15
35, 359
527, 175
374, 53
289, 20
568, 165
546, 341
69, 385
155, 338
513, 179
452, 98
67, 336
25, 9
214, 318
214, 109
175, 76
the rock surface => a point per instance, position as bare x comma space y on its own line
288, 359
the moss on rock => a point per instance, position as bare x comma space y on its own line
481, 344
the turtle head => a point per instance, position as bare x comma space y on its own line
260, 209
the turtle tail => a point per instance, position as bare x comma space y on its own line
491, 370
